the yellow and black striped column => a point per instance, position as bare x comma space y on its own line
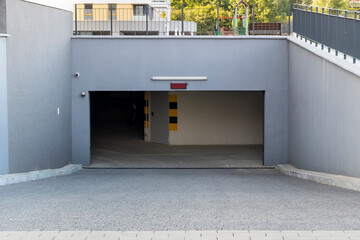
146, 109
173, 112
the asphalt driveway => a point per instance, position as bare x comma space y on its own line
182, 199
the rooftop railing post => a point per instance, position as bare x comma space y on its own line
322, 27
182, 19
218, 20
289, 19
111, 19
329, 49
76, 22
316, 10
253, 20
147, 19
355, 17
300, 20
235, 21
311, 9
345, 16
306, 9
336, 32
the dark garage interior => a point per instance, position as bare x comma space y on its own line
117, 140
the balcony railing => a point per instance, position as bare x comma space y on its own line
112, 20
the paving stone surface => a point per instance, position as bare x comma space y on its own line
178, 199
182, 235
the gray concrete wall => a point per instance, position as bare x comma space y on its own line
231, 64
324, 113
39, 82
219, 118
4, 146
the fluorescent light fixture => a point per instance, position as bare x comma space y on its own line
169, 78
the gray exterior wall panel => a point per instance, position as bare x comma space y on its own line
39, 81
126, 64
4, 146
324, 118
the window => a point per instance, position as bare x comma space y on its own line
88, 12
139, 10
112, 11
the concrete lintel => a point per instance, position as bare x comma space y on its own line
4, 35
37, 175
324, 178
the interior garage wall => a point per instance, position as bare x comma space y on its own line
324, 114
4, 152
39, 82
215, 118
128, 63
159, 117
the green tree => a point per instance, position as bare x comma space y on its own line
283, 9
339, 4
204, 16
265, 10
306, 2
204, 12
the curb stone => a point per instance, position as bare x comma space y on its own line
346, 182
37, 175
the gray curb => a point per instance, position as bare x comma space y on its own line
324, 178
36, 175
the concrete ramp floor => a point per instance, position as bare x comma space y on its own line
140, 154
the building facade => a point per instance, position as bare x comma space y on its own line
203, 98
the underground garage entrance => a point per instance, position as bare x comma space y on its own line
177, 129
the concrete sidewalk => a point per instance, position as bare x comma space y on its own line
184, 235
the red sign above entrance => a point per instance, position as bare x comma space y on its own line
178, 85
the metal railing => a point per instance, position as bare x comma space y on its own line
146, 20
213, 20
335, 29
116, 19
